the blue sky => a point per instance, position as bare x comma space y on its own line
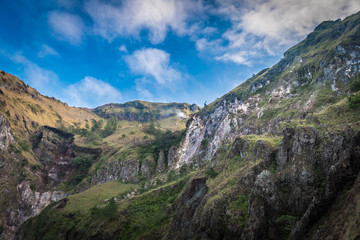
91, 52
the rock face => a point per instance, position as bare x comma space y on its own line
5, 134
55, 150
30, 203
185, 207
288, 202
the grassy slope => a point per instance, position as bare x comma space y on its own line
89, 217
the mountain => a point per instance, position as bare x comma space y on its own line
142, 111
277, 157
49, 150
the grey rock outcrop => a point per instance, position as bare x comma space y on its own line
5, 133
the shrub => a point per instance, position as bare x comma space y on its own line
110, 127
82, 163
204, 143
24, 146
109, 212
354, 100
211, 173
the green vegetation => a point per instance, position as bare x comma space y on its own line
241, 205
211, 173
204, 143
144, 215
162, 142
82, 165
354, 100
95, 195
24, 146
147, 214
110, 127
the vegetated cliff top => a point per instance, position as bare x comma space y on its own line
321, 69
27, 109
143, 111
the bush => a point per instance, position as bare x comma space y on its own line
354, 100
211, 173
83, 163
24, 146
110, 127
204, 143
109, 212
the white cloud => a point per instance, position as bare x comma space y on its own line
91, 92
240, 57
132, 16
143, 91
47, 51
66, 26
269, 27
155, 63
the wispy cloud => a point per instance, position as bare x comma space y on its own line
268, 27
38, 77
66, 26
132, 16
91, 92
240, 57
47, 51
155, 63
142, 89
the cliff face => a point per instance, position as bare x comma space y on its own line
5, 134
282, 191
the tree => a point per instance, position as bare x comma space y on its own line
110, 127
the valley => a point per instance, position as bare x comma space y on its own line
278, 157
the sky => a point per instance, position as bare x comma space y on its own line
91, 52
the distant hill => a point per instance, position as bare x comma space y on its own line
142, 111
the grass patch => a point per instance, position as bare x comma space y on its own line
96, 194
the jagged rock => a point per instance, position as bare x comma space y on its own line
126, 170
147, 166
185, 207
263, 194
5, 133
161, 165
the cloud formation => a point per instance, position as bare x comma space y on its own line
91, 92
47, 51
132, 16
268, 27
155, 63
66, 26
